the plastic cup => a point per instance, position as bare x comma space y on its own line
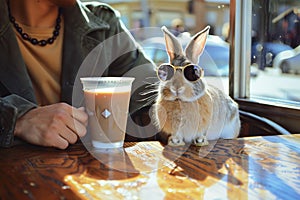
107, 104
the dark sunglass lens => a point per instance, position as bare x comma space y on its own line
165, 72
192, 72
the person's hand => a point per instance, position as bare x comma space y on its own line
56, 125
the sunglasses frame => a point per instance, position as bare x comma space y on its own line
182, 68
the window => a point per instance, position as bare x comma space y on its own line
270, 44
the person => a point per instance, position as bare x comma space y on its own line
42, 46
177, 26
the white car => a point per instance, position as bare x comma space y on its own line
288, 61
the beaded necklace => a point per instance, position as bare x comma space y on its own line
32, 40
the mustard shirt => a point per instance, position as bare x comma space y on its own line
43, 62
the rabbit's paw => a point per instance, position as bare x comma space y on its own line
201, 141
175, 141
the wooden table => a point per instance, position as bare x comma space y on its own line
244, 168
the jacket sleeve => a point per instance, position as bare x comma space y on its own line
11, 108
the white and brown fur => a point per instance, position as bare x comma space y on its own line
193, 111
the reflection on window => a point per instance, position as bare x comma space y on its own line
275, 50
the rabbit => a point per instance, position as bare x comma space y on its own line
191, 111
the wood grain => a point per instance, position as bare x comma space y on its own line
244, 168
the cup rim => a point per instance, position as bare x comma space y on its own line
108, 79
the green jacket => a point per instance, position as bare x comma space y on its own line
86, 26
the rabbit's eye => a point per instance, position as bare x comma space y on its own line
165, 72
192, 72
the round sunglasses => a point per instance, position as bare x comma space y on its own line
191, 72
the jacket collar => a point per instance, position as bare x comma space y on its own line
82, 20
4, 21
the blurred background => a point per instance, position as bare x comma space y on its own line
275, 39
191, 15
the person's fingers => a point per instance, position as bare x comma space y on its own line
77, 113
68, 135
53, 138
81, 108
69, 132
79, 128
61, 136
76, 127
73, 124
80, 115
61, 143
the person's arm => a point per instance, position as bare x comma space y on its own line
11, 108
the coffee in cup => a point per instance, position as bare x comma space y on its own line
107, 104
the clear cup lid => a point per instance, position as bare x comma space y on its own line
90, 83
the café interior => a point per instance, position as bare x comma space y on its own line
263, 162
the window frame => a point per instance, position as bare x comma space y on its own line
239, 73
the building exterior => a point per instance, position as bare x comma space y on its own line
195, 14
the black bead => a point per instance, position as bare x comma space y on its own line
42, 43
50, 40
57, 27
25, 36
55, 33
12, 19
19, 29
34, 41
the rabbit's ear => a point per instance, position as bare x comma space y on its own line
196, 46
173, 45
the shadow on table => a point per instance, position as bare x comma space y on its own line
213, 160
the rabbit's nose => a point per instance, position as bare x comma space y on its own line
177, 91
